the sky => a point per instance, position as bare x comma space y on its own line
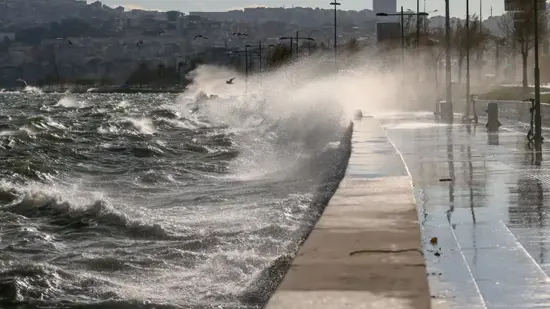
457, 6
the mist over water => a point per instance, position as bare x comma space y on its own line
176, 201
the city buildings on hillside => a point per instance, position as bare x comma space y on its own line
74, 38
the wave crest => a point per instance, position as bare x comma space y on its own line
96, 215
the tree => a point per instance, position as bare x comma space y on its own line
475, 39
519, 32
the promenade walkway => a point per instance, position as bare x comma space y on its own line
482, 209
365, 251
486, 198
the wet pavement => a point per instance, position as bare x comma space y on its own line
486, 198
365, 250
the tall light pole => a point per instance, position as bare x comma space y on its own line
418, 25
309, 43
403, 40
291, 43
468, 58
335, 4
246, 59
449, 93
298, 38
538, 117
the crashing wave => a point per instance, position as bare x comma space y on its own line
97, 215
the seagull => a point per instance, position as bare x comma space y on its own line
200, 36
230, 82
23, 81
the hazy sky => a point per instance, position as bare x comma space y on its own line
457, 6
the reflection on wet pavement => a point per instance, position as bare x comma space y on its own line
490, 218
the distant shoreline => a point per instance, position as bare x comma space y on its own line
99, 90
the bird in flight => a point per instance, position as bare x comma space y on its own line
70, 43
230, 82
200, 36
140, 42
240, 34
23, 81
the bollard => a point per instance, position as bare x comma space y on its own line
474, 108
437, 112
445, 112
492, 117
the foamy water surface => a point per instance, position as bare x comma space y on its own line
145, 201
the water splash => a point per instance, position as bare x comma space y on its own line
142, 125
33, 90
71, 102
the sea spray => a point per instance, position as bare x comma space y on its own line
177, 219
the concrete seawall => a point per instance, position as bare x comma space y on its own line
365, 251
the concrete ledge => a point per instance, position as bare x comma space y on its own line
365, 251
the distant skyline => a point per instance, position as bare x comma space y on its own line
457, 7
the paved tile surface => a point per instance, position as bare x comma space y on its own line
491, 219
365, 251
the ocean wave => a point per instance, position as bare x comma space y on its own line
176, 123
25, 283
130, 126
156, 210
97, 215
141, 125
70, 102
165, 113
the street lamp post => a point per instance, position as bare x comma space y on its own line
297, 38
402, 39
335, 4
309, 43
297, 42
538, 116
468, 58
449, 94
246, 59
418, 25
259, 51
291, 43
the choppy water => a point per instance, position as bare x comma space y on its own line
133, 201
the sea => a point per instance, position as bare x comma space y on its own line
191, 200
